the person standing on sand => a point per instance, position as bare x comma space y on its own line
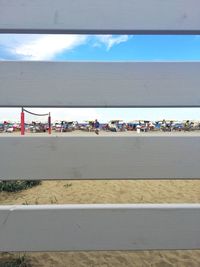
96, 126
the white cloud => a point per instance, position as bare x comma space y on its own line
9, 42
110, 40
48, 46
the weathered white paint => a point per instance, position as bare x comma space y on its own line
99, 84
100, 16
152, 157
99, 227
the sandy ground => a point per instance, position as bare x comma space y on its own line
65, 192
105, 133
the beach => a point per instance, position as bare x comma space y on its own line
103, 133
106, 191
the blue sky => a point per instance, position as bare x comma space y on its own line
102, 48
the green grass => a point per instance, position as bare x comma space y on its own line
20, 261
15, 186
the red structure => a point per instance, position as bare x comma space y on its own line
22, 122
49, 122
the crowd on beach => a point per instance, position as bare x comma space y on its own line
96, 126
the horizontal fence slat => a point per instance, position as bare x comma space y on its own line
100, 84
94, 16
99, 227
152, 157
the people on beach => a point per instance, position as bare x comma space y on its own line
187, 125
96, 126
163, 125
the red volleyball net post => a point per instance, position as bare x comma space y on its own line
22, 122
49, 122
34, 114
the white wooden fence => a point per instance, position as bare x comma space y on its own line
99, 227
100, 84
105, 16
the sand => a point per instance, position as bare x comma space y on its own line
67, 192
64, 192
